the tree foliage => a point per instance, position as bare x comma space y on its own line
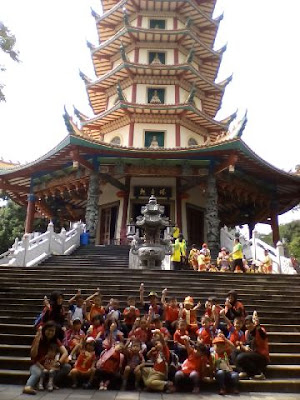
290, 235
12, 218
7, 45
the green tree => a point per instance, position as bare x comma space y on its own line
12, 217
7, 45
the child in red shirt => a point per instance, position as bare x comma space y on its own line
156, 378
141, 331
171, 311
206, 333
95, 304
85, 364
97, 332
74, 338
193, 368
179, 343
110, 365
130, 313
157, 325
134, 362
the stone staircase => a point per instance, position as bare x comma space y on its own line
275, 297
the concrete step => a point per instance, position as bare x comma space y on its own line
283, 371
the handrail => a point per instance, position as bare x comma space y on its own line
33, 249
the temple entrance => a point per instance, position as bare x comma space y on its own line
195, 224
108, 224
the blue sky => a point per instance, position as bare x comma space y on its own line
262, 53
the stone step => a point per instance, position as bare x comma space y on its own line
15, 363
285, 358
17, 328
283, 371
13, 338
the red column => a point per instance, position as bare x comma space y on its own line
178, 205
139, 21
177, 99
131, 131
175, 23
30, 213
133, 97
136, 55
123, 236
275, 227
177, 135
176, 56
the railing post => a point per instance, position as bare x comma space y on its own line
280, 253
25, 242
63, 235
50, 229
254, 236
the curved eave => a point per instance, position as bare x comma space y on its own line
96, 90
122, 109
107, 22
130, 34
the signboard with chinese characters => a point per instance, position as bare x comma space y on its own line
157, 191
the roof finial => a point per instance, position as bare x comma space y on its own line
78, 113
68, 120
243, 123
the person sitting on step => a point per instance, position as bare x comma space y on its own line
179, 343
49, 366
77, 308
152, 308
85, 365
171, 311
130, 314
97, 332
73, 340
134, 363
110, 366
94, 303
254, 358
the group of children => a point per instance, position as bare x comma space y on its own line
200, 260
166, 349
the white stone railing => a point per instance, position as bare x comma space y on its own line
33, 249
254, 249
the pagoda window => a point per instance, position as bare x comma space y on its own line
116, 140
192, 142
156, 57
156, 96
157, 24
154, 139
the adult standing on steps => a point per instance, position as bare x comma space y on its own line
237, 255
45, 337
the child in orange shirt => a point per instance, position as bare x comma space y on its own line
95, 304
206, 333
85, 364
97, 332
193, 368
193, 257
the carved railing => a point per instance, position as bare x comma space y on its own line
33, 249
254, 249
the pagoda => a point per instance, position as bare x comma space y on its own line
153, 132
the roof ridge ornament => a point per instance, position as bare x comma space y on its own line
68, 121
125, 17
84, 77
90, 45
188, 23
123, 52
191, 54
120, 94
94, 14
78, 114
191, 96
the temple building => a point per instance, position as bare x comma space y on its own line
153, 131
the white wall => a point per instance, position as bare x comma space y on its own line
186, 134
122, 132
139, 133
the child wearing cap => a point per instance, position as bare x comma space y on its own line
85, 365
189, 314
152, 308
226, 378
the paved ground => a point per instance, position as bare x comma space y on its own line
11, 392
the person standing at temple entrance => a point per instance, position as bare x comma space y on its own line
179, 253
237, 255
176, 232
